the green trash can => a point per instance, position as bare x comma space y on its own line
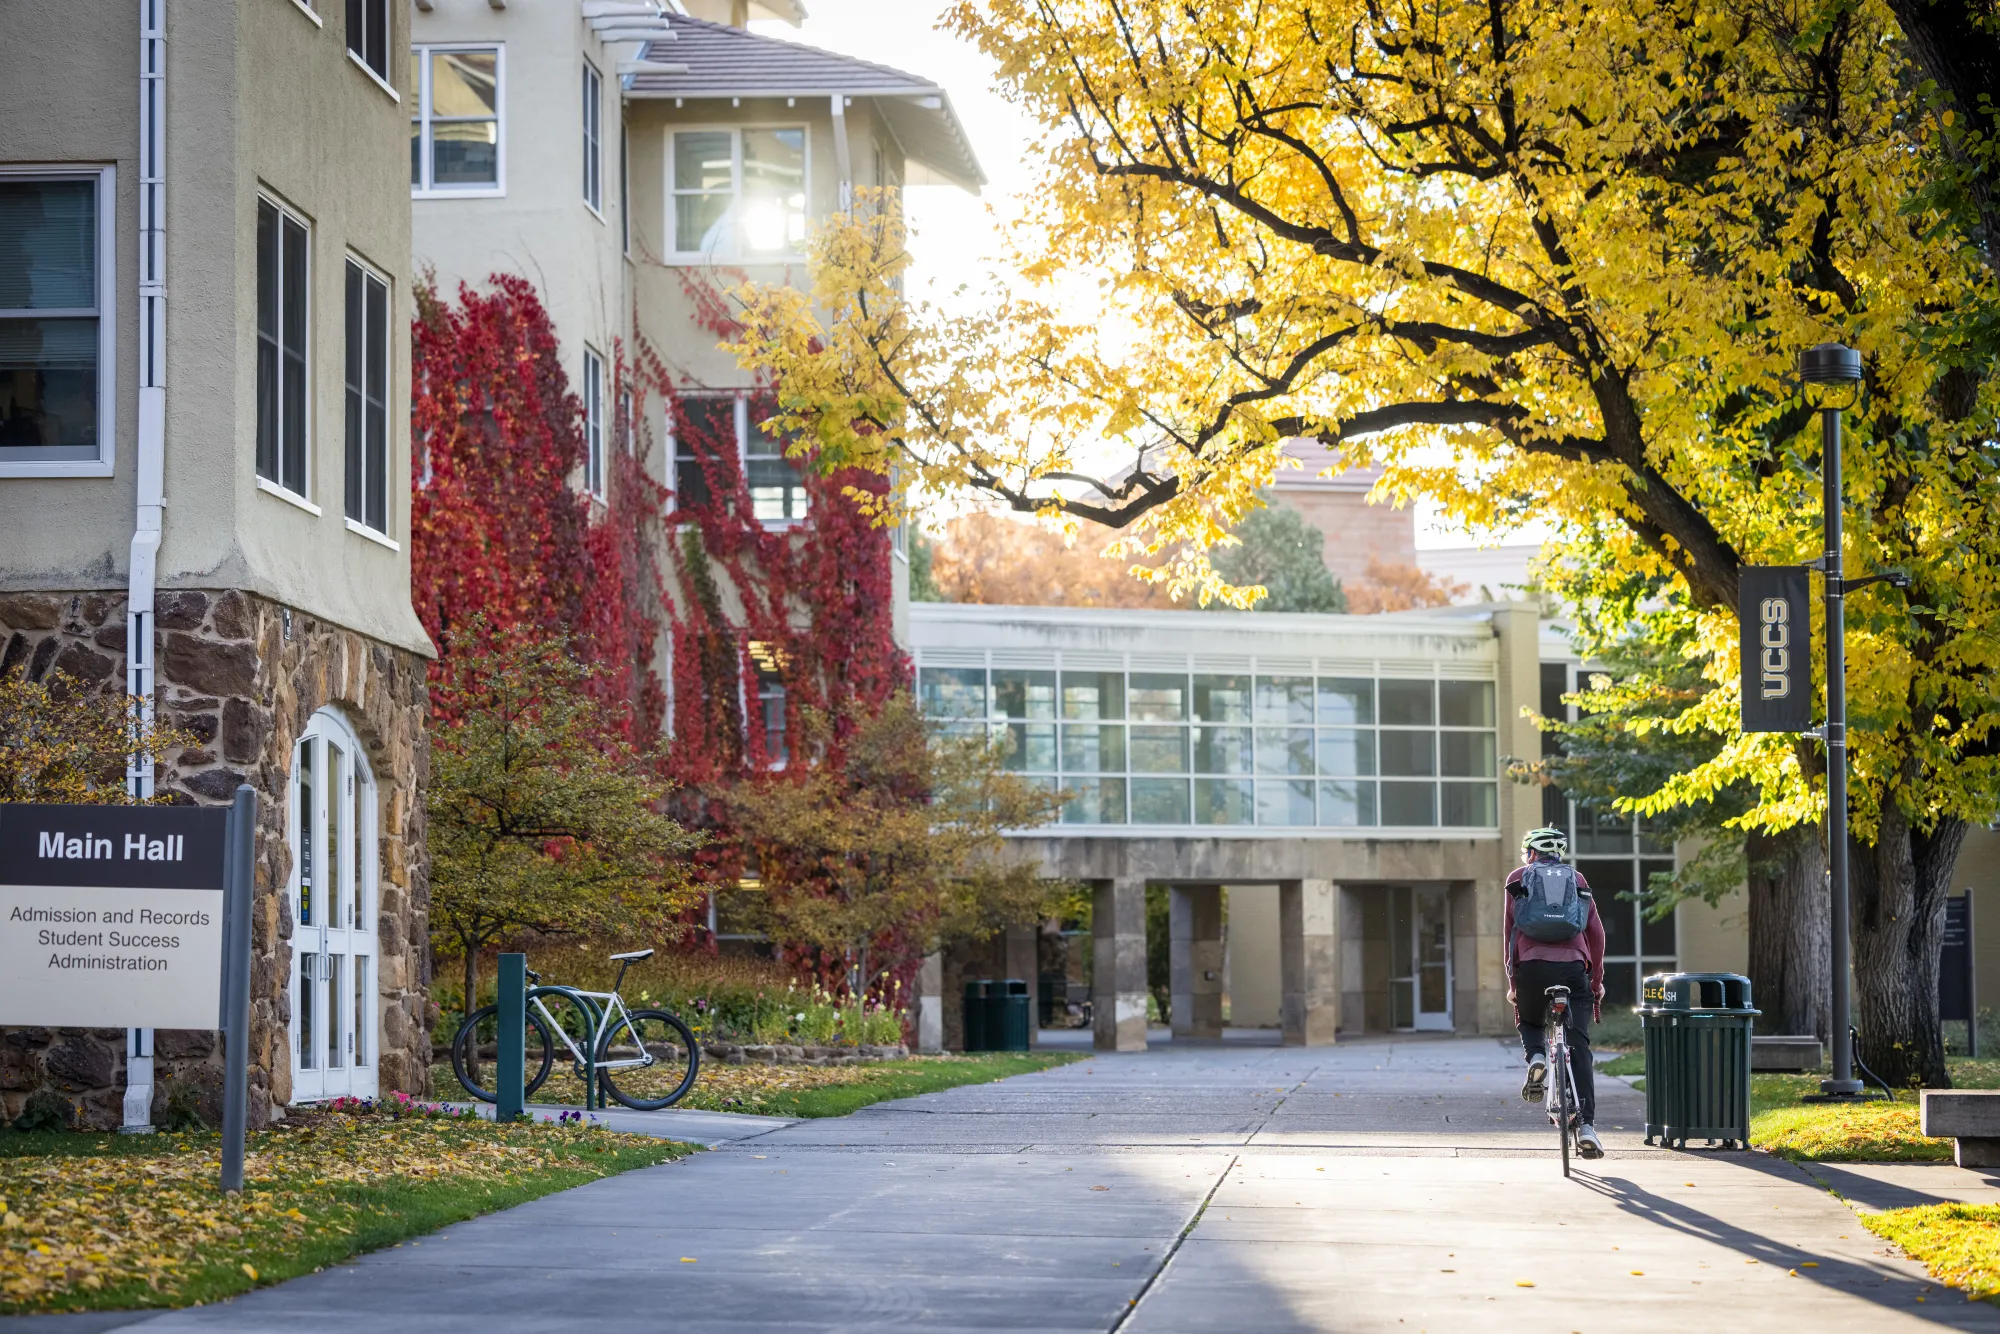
1697, 1031
978, 1013
1007, 1015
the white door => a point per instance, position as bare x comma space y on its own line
1420, 958
334, 869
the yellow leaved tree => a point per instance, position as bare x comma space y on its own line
1540, 259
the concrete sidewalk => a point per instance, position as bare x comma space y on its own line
1393, 1185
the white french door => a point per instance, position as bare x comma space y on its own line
1420, 984
334, 870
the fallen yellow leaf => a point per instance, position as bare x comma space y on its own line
251, 1270
1524, 1283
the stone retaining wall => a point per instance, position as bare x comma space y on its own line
730, 1053
244, 676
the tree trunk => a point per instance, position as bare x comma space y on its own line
1791, 932
1899, 888
471, 993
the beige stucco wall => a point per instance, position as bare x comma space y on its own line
540, 228
261, 96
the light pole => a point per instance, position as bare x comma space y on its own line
1835, 366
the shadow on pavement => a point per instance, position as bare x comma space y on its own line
1852, 1277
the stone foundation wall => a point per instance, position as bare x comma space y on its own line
782, 1053
244, 676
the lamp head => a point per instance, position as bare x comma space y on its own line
1830, 363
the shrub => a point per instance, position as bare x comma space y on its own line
46, 1109
182, 1109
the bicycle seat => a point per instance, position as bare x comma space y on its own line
1556, 992
634, 955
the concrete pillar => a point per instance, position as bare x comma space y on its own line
1118, 965
1309, 961
1194, 914
930, 1005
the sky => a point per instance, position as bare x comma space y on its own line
953, 234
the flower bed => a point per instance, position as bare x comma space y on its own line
114, 1222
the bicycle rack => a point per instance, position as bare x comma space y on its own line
595, 1019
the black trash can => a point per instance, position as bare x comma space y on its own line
978, 1012
1697, 1029
1008, 1015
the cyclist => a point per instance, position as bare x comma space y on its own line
1558, 941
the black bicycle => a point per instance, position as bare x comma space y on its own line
1559, 1094
646, 1059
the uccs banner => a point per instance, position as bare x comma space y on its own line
1776, 622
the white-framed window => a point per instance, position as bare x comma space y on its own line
627, 423
737, 193
457, 120
367, 398
58, 264
593, 423
283, 347
593, 138
771, 713
334, 892
368, 36
775, 481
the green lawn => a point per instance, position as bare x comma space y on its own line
114, 1222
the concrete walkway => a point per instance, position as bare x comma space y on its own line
1374, 1186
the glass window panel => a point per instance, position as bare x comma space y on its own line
1346, 699
1468, 805
1159, 801
364, 1008
1405, 703
1466, 754
1609, 882
774, 199
1409, 804
1346, 750
1284, 699
1022, 694
1284, 750
309, 1010
1656, 937
700, 222
1408, 754
702, 161
1091, 749
1651, 841
48, 245
416, 151
1159, 698
465, 153
308, 833
1222, 699
954, 692
1031, 748
334, 895
1093, 695
1095, 801
1286, 803
48, 383
465, 83
334, 968
1223, 801
1465, 703
1347, 804
1222, 750
1602, 831
1159, 750
1621, 984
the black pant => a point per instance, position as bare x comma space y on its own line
1531, 1009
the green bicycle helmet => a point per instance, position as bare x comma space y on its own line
1548, 842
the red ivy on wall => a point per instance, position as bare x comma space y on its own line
497, 522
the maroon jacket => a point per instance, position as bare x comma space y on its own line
1587, 945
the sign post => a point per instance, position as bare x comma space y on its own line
1958, 995
236, 986
133, 917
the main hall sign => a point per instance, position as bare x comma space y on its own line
111, 916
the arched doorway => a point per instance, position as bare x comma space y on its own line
333, 902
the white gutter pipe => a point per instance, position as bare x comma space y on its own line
149, 464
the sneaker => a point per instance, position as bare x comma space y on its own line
1538, 1074
1587, 1142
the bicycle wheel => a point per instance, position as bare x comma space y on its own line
1563, 1098
477, 1045
648, 1060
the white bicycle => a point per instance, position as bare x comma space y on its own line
1559, 1092
646, 1059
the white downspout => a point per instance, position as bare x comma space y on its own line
840, 155
149, 461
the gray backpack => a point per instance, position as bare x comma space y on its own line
1549, 904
